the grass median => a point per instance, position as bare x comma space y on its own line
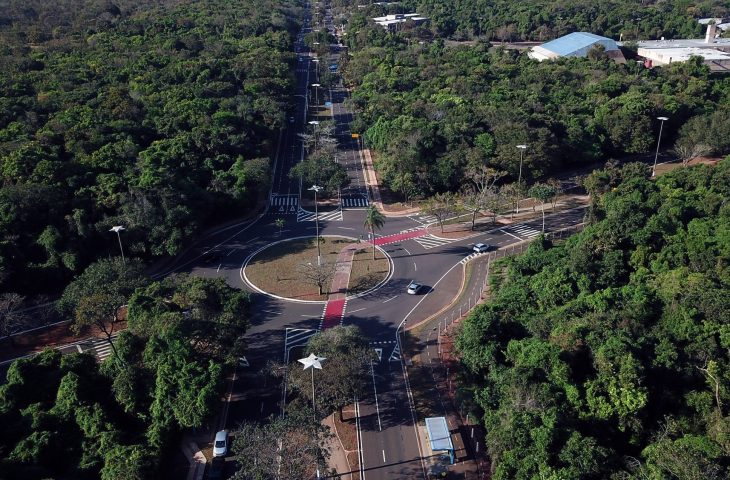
278, 269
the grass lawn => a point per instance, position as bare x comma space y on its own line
276, 269
366, 273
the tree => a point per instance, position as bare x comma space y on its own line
543, 192
344, 372
279, 222
128, 462
482, 192
318, 275
100, 310
10, 316
441, 206
107, 276
291, 446
687, 151
373, 219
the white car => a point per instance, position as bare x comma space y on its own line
482, 247
414, 288
220, 444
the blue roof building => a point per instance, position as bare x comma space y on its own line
576, 44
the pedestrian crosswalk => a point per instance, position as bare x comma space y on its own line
423, 219
99, 347
431, 241
307, 216
296, 337
521, 231
103, 350
395, 356
354, 202
284, 204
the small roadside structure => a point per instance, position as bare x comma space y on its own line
392, 22
576, 44
439, 436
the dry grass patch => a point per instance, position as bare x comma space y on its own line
276, 269
366, 272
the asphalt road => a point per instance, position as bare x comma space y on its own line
280, 327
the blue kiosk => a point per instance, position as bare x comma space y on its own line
439, 436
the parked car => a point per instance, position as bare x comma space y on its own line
482, 247
220, 444
414, 288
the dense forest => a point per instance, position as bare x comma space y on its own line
160, 116
546, 19
430, 110
608, 356
69, 417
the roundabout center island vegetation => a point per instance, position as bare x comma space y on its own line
289, 268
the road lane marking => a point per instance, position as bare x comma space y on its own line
415, 267
383, 456
346, 228
391, 298
219, 268
375, 390
353, 311
232, 250
406, 250
511, 235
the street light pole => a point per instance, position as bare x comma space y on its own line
658, 142
519, 178
117, 229
313, 361
316, 188
315, 124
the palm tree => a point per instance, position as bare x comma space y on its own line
373, 219
279, 222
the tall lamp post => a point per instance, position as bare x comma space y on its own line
312, 362
316, 189
658, 142
519, 178
117, 229
315, 126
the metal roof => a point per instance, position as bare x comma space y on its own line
438, 434
575, 41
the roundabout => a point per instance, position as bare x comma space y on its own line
288, 269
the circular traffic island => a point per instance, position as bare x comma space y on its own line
288, 269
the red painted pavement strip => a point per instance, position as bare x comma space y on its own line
399, 237
333, 313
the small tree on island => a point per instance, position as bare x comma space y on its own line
317, 275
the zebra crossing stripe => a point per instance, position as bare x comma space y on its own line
304, 216
102, 350
355, 202
429, 241
395, 356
